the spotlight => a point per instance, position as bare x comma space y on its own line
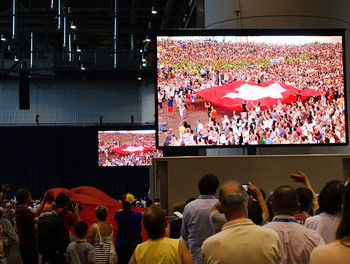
153, 11
147, 39
78, 49
139, 78
3, 37
72, 26
37, 119
15, 58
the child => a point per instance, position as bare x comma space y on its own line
80, 251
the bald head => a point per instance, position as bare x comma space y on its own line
233, 200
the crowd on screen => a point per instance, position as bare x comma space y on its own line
291, 226
185, 67
109, 141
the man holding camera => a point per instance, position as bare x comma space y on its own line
69, 213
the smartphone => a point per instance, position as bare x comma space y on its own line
246, 186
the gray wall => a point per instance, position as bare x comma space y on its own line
75, 101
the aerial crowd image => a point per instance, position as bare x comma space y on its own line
127, 148
250, 90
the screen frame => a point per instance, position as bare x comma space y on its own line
249, 32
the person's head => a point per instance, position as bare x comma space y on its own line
80, 229
343, 230
208, 184
128, 200
233, 200
331, 196
101, 213
305, 199
22, 196
2, 211
62, 200
179, 207
284, 200
154, 222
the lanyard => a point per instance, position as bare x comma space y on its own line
284, 220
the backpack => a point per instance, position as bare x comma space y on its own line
50, 233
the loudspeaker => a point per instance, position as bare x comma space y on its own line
24, 103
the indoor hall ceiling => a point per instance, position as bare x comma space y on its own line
94, 33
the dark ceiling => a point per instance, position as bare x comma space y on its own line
94, 34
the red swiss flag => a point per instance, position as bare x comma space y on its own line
268, 94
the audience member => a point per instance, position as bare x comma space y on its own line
80, 251
106, 231
295, 241
257, 210
9, 236
69, 219
305, 200
240, 241
195, 223
330, 201
174, 227
129, 229
159, 249
25, 221
339, 250
302, 178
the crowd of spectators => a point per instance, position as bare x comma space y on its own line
290, 226
188, 66
109, 140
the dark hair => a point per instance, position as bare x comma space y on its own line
154, 222
61, 200
343, 231
101, 213
22, 195
331, 197
285, 199
208, 184
255, 213
305, 198
80, 229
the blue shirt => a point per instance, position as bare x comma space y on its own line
132, 224
196, 226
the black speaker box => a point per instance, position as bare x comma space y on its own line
24, 103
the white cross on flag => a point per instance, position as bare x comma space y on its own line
268, 94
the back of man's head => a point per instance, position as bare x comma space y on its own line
22, 195
208, 184
154, 222
233, 199
284, 200
305, 199
62, 200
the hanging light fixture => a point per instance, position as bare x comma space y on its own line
78, 49
3, 37
154, 12
72, 26
15, 58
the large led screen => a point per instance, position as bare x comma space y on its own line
263, 88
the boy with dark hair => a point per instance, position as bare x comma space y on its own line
80, 251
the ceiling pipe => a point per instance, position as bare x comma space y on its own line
14, 19
31, 49
115, 37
